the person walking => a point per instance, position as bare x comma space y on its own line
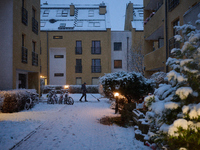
84, 90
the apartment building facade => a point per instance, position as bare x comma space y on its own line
160, 17
20, 44
75, 42
134, 24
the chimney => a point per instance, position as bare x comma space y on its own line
72, 7
102, 9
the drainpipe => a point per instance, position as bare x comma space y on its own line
166, 33
127, 54
47, 57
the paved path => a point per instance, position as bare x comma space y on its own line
77, 128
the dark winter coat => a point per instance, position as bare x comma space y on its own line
83, 88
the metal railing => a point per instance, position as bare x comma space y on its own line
172, 4
173, 44
34, 59
24, 16
95, 50
78, 69
34, 25
96, 69
24, 55
78, 50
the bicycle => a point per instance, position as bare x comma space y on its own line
67, 99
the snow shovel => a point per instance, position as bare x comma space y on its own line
95, 97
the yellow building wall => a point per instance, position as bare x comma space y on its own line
18, 29
69, 42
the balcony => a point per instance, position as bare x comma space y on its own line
152, 4
78, 50
155, 25
24, 55
96, 69
95, 50
155, 60
34, 25
78, 69
24, 16
172, 4
34, 59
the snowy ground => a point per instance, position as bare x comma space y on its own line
61, 127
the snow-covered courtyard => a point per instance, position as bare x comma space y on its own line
66, 127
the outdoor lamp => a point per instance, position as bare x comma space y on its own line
66, 86
116, 103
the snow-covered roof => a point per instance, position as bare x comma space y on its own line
137, 22
57, 17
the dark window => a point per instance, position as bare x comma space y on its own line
172, 4
96, 65
58, 74
34, 22
176, 23
57, 37
33, 46
24, 51
117, 63
40, 48
78, 67
34, 59
24, 14
117, 46
78, 49
96, 47
58, 56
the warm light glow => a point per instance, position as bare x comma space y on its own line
42, 77
116, 94
66, 86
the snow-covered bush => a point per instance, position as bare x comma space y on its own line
14, 100
131, 85
174, 108
158, 77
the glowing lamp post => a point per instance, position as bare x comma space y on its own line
116, 103
66, 86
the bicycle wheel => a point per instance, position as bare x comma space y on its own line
70, 101
27, 106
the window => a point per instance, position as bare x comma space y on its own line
42, 24
78, 67
78, 48
24, 50
91, 13
58, 74
46, 13
176, 23
117, 63
96, 47
33, 46
95, 80
57, 37
172, 4
94, 24
34, 22
117, 46
96, 65
62, 13
79, 24
24, 14
78, 80
58, 56
141, 14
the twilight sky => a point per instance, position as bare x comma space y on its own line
116, 7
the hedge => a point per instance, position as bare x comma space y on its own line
14, 100
72, 88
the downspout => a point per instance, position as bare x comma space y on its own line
166, 33
127, 54
47, 57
